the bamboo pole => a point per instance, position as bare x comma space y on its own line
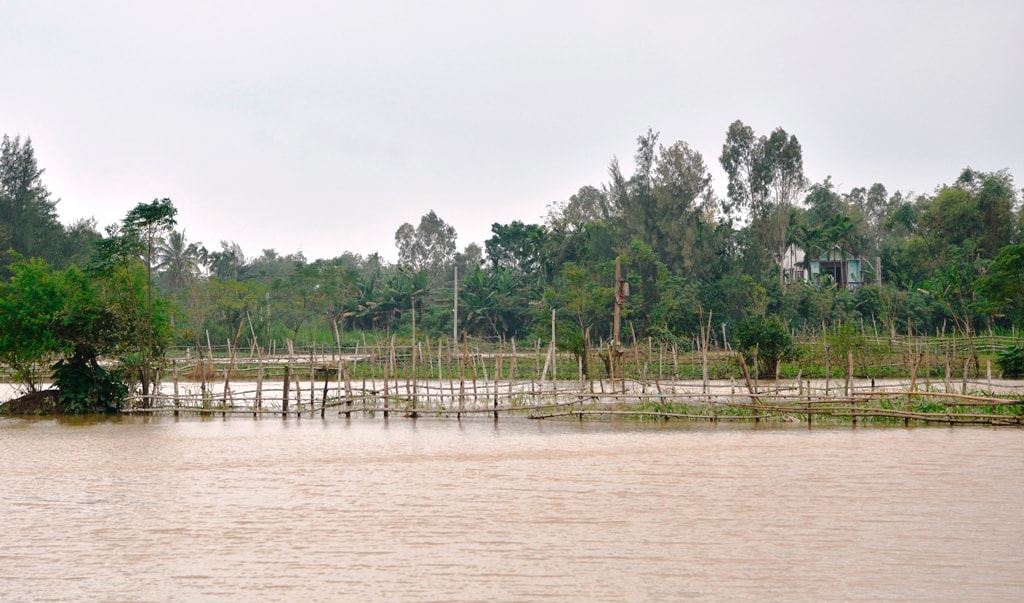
174, 372
913, 385
312, 380
849, 372
231, 364
348, 389
462, 381
497, 375
513, 368
750, 387
323, 401
472, 361
285, 388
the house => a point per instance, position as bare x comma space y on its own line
834, 266
793, 268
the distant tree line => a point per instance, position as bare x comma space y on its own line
951, 259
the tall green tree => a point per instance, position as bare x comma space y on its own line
28, 214
28, 303
1002, 286
178, 261
128, 245
429, 246
667, 203
766, 177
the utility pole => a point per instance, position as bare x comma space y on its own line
618, 304
455, 321
621, 291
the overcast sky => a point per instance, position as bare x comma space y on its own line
321, 127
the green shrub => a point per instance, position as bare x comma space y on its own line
770, 338
1011, 362
87, 388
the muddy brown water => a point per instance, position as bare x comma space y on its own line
158, 509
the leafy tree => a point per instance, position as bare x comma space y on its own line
80, 238
429, 246
975, 213
766, 175
494, 303
677, 313
871, 203
666, 202
683, 202
952, 287
87, 327
228, 263
517, 247
28, 303
588, 204
28, 216
46, 314
581, 305
767, 339
645, 275
469, 259
1002, 286
632, 199
146, 224
117, 257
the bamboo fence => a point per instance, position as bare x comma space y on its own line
653, 381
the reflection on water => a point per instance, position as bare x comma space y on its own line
158, 509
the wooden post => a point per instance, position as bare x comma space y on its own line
616, 326
174, 371
947, 374
512, 369
849, 372
203, 388
259, 381
849, 382
324, 400
287, 375
472, 360
231, 365
913, 385
284, 395
348, 389
415, 400
387, 376
754, 399
462, 382
497, 375
828, 368
440, 374
554, 350
312, 381
455, 310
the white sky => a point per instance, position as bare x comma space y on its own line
322, 126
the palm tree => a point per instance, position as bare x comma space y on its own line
178, 261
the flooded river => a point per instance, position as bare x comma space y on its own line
158, 509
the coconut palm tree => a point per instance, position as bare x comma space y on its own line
178, 261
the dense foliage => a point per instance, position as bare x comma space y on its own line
949, 260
